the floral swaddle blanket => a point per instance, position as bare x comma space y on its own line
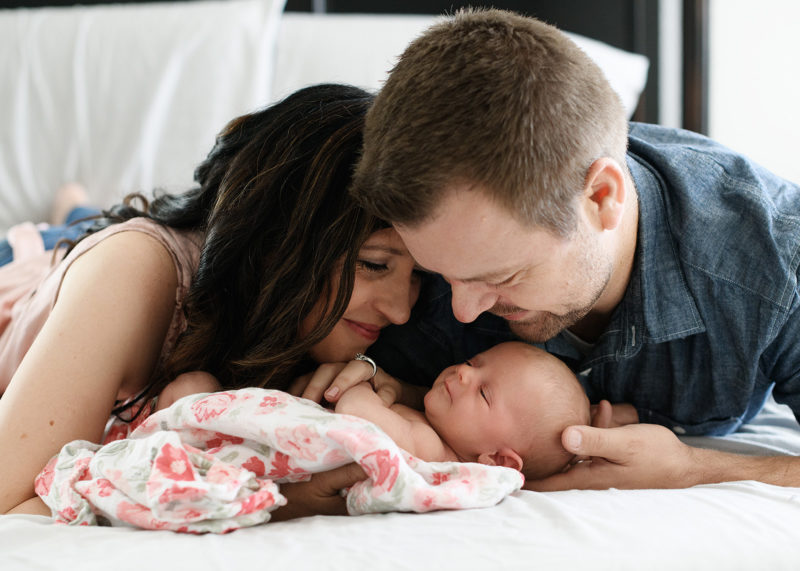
215, 462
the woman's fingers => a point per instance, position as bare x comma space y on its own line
320, 380
320, 495
353, 373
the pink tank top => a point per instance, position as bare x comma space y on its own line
29, 288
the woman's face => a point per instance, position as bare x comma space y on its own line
385, 289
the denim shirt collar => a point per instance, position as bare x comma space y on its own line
657, 305
658, 301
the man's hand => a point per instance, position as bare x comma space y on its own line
320, 495
628, 457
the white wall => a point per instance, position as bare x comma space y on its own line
754, 82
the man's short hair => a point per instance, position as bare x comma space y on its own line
496, 100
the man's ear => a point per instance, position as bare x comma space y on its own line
601, 414
604, 190
503, 457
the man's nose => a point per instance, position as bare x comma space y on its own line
470, 300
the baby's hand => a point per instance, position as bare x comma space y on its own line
356, 397
187, 384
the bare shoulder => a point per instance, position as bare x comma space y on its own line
125, 287
131, 253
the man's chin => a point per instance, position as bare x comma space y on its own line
540, 330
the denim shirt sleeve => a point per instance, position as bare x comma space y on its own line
781, 361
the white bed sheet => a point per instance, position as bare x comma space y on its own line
736, 525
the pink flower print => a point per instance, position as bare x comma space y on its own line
335, 457
81, 470
302, 442
45, 478
67, 514
280, 466
177, 493
256, 502
117, 431
255, 465
440, 478
174, 463
222, 473
219, 439
270, 402
383, 466
138, 515
212, 406
104, 487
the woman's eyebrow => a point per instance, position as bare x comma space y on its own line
387, 249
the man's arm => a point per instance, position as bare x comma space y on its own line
651, 456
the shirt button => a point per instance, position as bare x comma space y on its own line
678, 430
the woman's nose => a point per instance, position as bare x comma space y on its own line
398, 299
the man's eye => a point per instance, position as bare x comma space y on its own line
505, 282
468, 363
483, 394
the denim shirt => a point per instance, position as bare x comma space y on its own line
709, 323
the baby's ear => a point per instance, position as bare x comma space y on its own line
504, 457
601, 414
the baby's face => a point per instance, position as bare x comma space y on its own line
477, 406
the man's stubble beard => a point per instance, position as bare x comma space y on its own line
595, 269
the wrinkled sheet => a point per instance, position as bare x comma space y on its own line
215, 462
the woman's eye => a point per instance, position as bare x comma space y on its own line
468, 364
372, 266
483, 394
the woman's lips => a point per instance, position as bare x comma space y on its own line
367, 331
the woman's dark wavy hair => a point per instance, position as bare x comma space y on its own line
273, 204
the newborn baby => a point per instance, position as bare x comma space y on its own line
506, 406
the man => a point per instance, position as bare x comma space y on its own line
659, 265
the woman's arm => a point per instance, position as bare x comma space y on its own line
104, 335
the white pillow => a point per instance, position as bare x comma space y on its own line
361, 49
123, 97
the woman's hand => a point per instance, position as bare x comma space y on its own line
320, 495
331, 380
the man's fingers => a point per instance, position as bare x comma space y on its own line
613, 444
601, 414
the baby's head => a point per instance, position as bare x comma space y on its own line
508, 406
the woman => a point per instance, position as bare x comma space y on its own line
264, 270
